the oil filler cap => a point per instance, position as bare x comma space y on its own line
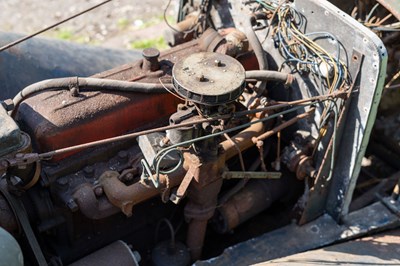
209, 78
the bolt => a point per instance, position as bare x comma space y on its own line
15, 181
98, 191
263, 101
137, 255
129, 177
88, 170
217, 63
74, 91
71, 204
8, 105
20, 157
123, 155
201, 78
62, 181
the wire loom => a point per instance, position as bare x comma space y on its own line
304, 55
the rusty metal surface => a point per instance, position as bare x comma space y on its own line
58, 119
382, 249
135, 72
255, 197
100, 185
125, 197
92, 207
117, 253
203, 198
293, 239
243, 139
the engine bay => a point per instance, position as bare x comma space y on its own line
256, 117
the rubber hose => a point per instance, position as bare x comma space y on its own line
265, 75
88, 83
258, 51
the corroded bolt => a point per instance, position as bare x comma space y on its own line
201, 78
123, 155
129, 177
15, 181
88, 170
71, 204
62, 181
98, 191
74, 91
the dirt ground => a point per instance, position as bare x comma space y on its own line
117, 24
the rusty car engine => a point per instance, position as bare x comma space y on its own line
234, 131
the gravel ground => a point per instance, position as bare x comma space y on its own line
118, 24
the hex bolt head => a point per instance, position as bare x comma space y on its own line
62, 181
123, 155
71, 204
217, 63
201, 78
129, 177
88, 170
15, 181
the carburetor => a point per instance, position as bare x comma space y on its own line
208, 83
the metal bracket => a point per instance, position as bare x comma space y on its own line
20, 160
181, 192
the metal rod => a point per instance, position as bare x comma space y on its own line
283, 126
50, 154
7, 46
126, 137
281, 104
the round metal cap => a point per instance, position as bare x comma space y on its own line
209, 78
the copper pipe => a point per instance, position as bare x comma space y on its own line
242, 139
282, 126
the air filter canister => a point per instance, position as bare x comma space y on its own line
209, 78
